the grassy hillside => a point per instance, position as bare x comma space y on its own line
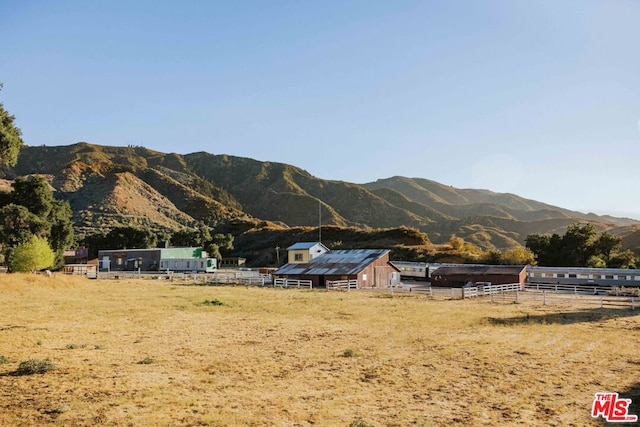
112, 186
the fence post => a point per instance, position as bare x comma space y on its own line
517, 296
462, 293
544, 297
601, 303
633, 306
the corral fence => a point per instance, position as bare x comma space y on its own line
291, 283
583, 296
484, 290
344, 285
452, 293
218, 278
584, 289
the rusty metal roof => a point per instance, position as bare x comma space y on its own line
341, 262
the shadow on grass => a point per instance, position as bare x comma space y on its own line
566, 318
633, 393
32, 367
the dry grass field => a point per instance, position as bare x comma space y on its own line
146, 353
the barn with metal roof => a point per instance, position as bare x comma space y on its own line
369, 267
460, 275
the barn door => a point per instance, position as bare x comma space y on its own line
380, 279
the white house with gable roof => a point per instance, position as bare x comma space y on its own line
303, 252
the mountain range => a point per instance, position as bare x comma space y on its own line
111, 186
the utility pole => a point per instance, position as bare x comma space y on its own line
319, 221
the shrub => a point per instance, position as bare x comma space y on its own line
147, 361
359, 422
214, 301
74, 346
3, 359
350, 352
35, 366
32, 255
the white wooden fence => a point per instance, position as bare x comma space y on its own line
291, 283
545, 297
477, 291
574, 289
342, 284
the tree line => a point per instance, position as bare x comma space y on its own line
127, 237
36, 229
580, 246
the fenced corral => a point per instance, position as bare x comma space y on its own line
343, 285
556, 294
617, 291
259, 281
154, 275
576, 299
572, 289
440, 292
291, 283
218, 278
483, 290
576, 296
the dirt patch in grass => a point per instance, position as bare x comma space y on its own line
148, 353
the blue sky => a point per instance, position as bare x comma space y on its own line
536, 97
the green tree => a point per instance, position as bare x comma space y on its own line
607, 244
580, 247
213, 251
10, 138
539, 245
34, 193
596, 261
32, 255
221, 243
456, 243
61, 233
578, 244
18, 225
31, 210
519, 256
626, 259
224, 241
492, 257
191, 237
129, 238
